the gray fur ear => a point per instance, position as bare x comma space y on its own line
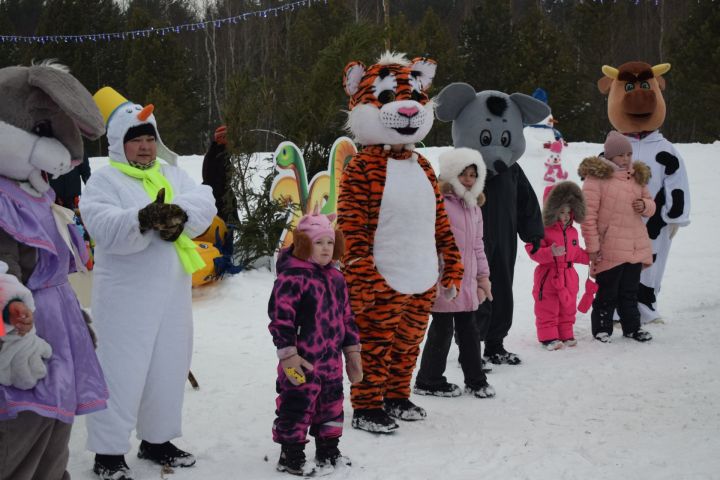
72, 98
532, 109
452, 99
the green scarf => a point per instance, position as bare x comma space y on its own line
153, 180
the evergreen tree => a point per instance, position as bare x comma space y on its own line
540, 52
485, 39
693, 84
312, 79
158, 73
321, 118
17, 17
261, 220
599, 35
94, 63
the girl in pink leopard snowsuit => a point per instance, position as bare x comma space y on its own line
556, 282
312, 325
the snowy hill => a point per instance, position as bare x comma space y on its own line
597, 411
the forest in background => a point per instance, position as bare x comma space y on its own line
279, 77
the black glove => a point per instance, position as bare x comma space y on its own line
536, 244
161, 216
171, 234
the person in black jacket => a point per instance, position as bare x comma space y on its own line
215, 174
492, 123
68, 187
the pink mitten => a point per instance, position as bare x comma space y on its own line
293, 367
586, 301
484, 289
353, 363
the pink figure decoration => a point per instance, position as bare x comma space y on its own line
554, 172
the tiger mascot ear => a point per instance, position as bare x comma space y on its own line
339, 250
352, 75
302, 246
423, 70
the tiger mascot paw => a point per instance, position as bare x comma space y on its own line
363, 281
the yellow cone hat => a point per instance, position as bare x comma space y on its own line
108, 100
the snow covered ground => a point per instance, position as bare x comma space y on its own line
596, 411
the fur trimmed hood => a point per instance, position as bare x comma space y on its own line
452, 164
563, 193
603, 169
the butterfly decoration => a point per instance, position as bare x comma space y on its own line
291, 185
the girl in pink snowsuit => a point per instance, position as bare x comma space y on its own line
312, 326
556, 282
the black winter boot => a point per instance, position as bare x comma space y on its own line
112, 467
404, 409
640, 335
446, 389
328, 456
292, 460
165, 454
373, 420
497, 355
480, 391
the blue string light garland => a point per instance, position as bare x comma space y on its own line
145, 33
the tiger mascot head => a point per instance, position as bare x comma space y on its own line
388, 101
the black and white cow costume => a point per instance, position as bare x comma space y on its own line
636, 108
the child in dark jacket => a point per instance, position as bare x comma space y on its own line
461, 180
312, 325
556, 282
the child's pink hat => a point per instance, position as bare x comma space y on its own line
316, 225
616, 144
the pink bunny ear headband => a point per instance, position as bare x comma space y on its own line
316, 225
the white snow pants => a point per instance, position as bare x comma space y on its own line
652, 276
146, 366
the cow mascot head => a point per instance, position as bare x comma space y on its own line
635, 99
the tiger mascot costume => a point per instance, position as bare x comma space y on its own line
392, 215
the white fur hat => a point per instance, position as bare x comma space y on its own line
452, 164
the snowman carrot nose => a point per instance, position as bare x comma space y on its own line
146, 112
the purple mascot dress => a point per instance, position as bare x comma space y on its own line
74, 384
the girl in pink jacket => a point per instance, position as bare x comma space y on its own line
556, 282
616, 238
461, 179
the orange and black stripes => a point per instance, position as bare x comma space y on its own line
392, 325
390, 334
367, 92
